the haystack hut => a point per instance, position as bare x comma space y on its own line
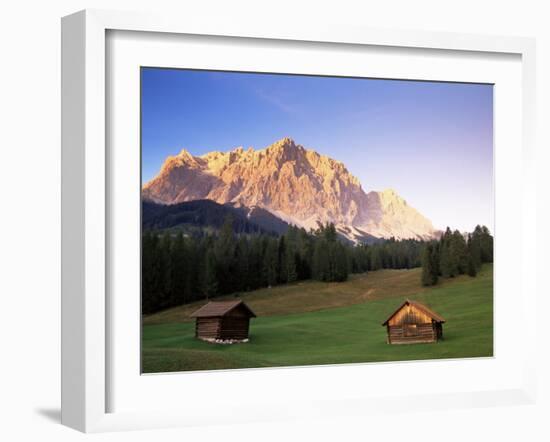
223, 321
413, 323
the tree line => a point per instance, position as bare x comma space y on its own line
179, 269
456, 254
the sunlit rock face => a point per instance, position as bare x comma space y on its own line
296, 184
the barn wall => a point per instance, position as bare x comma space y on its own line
207, 328
233, 327
411, 333
409, 314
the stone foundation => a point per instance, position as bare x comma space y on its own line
224, 341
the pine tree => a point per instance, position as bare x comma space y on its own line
210, 282
243, 270
255, 263
375, 258
150, 273
305, 254
165, 271
292, 273
271, 262
282, 271
472, 271
291, 255
474, 252
459, 253
193, 261
327, 231
448, 256
430, 264
224, 249
178, 271
436, 271
486, 242
321, 264
290, 263
340, 263
427, 266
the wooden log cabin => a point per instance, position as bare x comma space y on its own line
413, 323
223, 321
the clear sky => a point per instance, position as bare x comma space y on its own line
431, 142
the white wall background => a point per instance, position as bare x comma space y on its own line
30, 213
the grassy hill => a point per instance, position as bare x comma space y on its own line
326, 323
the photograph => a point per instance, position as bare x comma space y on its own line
305, 220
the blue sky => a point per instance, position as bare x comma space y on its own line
431, 142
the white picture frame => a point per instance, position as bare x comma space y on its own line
86, 207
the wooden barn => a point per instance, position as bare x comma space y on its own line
414, 323
223, 321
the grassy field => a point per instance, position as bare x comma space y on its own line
328, 323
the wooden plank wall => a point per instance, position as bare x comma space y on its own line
222, 328
207, 328
401, 334
234, 328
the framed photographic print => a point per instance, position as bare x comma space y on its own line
257, 212
285, 249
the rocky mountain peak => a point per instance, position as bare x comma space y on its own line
298, 185
390, 196
284, 143
183, 158
285, 149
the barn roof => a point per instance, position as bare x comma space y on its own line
220, 308
419, 306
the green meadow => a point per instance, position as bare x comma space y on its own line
311, 323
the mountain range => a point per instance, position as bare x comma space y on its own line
297, 185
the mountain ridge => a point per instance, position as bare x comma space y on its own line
208, 213
298, 185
